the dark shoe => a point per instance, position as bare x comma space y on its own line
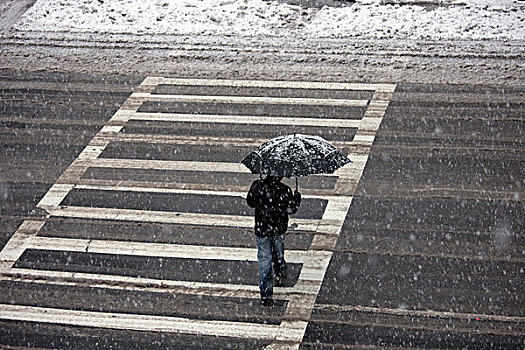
267, 301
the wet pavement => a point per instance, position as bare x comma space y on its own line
123, 223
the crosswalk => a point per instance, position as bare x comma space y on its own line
161, 185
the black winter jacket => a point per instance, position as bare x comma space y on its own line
273, 202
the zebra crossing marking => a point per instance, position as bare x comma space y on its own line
283, 84
138, 322
168, 165
199, 140
301, 298
252, 120
252, 100
142, 284
113, 186
161, 250
170, 217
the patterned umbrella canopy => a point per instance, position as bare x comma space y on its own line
295, 155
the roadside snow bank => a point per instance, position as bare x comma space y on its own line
481, 19
461, 19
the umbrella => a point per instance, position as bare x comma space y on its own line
294, 156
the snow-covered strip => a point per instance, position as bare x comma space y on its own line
163, 250
420, 313
152, 285
464, 19
138, 322
170, 217
171, 165
275, 84
250, 100
245, 119
69, 87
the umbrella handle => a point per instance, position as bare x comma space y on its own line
296, 184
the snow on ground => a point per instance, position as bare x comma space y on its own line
453, 19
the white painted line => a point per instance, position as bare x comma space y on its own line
113, 129
162, 190
246, 119
138, 322
118, 163
54, 196
289, 333
335, 211
352, 171
187, 140
251, 100
312, 274
19, 242
61, 244
272, 84
191, 191
164, 250
150, 284
337, 208
202, 188
378, 104
370, 124
170, 217
364, 138
315, 265
122, 116
226, 142
357, 160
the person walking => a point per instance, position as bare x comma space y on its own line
273, 202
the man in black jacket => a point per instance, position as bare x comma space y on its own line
273, 202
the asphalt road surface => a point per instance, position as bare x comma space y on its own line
123, 223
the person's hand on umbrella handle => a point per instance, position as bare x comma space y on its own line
297, 195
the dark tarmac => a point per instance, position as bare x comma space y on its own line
430, 254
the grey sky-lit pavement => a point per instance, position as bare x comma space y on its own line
123, 222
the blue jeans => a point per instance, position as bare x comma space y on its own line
270, 251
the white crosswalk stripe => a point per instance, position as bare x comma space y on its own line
252, 120
252, 100
169, 217
138, 322
314, 260
162, 250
